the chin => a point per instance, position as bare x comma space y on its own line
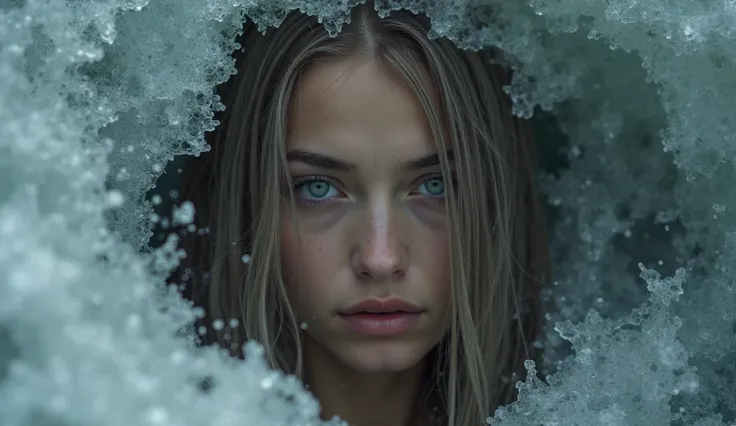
368, 356
381, 356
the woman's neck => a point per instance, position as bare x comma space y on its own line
363, 399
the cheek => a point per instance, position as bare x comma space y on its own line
292, 255
306, 266
438, 257
429, 240
443, 259
436, 262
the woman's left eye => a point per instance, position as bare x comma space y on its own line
433, 187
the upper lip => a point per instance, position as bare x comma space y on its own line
379, 306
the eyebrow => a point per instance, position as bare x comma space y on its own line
330, 163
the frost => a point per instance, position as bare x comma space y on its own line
607, 381
633, 102
115, 199
183, 214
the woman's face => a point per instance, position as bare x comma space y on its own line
370, 216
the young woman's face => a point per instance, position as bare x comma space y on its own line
370, 216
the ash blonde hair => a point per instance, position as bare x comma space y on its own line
499, 251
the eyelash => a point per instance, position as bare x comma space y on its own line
305, 180
300, 182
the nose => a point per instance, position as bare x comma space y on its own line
380, 254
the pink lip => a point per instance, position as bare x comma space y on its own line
390, 324
382, 306
388, 317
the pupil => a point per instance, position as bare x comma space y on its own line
318, 189
436, 186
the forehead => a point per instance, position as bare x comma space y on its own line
358, 111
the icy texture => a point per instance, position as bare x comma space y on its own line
97, 97
595, 389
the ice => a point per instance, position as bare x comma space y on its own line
633, 102
595, 388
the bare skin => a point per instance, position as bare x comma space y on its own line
370, 224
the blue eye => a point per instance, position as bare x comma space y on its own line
315, 189
434, 187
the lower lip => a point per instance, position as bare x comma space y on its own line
382, 324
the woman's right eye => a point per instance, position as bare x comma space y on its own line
315, 190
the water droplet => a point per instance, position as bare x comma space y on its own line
115, 198
267, 383
156, 415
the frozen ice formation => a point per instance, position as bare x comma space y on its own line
634, 102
